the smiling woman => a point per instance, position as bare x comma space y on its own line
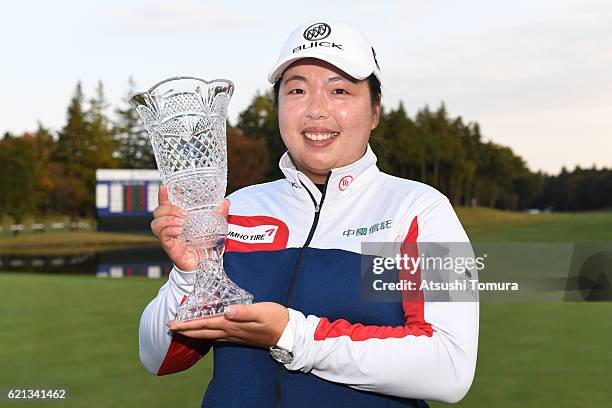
296, 243
325, 116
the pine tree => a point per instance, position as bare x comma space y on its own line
71, 158
133, 146
101, 145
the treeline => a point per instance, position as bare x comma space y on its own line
578, 190
44, 172
446, 153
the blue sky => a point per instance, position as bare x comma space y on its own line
537, 75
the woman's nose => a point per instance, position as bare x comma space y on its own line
318, 107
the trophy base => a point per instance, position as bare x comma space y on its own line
192, 312
213, 290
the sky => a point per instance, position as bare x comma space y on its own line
536, 75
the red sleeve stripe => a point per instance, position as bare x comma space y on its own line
183, 352
359, 332
413, 302
413, 305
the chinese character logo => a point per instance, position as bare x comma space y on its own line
344, 182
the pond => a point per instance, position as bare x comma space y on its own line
149, 261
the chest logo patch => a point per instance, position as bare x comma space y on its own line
255, 233
344, 182
260, 233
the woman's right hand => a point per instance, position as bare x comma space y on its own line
167, 225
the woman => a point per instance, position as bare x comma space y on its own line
311, 340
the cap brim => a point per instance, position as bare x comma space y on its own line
356, 71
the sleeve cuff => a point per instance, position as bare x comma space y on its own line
300, 331
182, 280
287, 338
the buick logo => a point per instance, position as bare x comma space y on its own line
317, 31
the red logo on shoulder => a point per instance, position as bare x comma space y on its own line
344, 182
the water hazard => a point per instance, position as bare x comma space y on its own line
150, 262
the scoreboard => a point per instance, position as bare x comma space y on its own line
125, 199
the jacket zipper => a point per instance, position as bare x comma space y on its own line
297, 267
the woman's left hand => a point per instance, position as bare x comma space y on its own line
259, 325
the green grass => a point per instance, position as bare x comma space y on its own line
485, 224
80, 333
74, 241
541, 354
28, 220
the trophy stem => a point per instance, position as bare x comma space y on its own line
213, 290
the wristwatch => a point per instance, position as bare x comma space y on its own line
283, 350
281, 355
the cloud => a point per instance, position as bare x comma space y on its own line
556, 62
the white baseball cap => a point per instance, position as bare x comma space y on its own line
337, 43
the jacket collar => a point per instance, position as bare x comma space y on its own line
340, 183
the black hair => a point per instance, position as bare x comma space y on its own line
373, 84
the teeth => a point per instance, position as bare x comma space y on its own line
320, 136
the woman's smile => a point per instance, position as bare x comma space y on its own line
319, 137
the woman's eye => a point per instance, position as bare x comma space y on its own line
296, 91
340, 91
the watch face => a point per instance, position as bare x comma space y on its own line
280, 355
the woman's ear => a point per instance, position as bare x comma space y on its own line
375, 115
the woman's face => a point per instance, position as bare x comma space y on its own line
325, 117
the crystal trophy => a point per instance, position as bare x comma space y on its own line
185, 118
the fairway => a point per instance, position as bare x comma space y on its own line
81, 333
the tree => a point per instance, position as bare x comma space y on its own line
248, 160
379, 142
134, 149
259, 121
42, 145
85, 144
17, 182
71, 159
405, 147
100, 146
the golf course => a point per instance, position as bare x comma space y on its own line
80, 332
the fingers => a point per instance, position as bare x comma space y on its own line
167, 227
205, 334
162, 196
242, 313
164, 200
168, 219
168, 209
224, 208
207, 323
209, 328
